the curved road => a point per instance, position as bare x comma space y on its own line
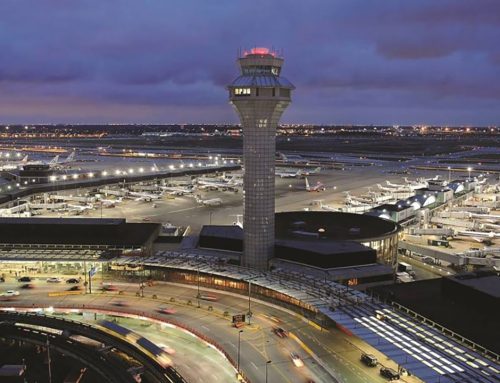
337, 353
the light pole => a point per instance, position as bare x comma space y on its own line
267, 363
449, 174
198, 282
469, 169
249, 301
239, 344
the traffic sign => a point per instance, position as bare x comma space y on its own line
238, 318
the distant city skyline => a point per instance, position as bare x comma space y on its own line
353, 62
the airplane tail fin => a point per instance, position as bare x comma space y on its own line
71, 157
282, 156
307, 184
24, 160
155, 167
379, 186
54, 160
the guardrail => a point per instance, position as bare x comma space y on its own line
143, 314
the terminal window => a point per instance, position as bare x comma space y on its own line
242, 91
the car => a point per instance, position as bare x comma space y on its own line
167, 349
369, 359
389, 373
75, 288
73, 280
10, 293
207, 297
24, 279
109, 287
119, 303
28, 286
2, 279
165, 310
280, 332
297, 361
54, 280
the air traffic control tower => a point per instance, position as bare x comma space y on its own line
260, 96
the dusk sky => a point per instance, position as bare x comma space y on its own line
159, 61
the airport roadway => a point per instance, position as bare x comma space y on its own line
325, 353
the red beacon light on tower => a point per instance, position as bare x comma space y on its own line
260, 51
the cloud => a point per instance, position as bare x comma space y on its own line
355, 60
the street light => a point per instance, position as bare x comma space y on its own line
239, 343
469, 169
267, 363
449, 174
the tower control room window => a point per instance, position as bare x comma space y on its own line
242, 91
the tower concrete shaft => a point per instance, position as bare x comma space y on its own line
260, 96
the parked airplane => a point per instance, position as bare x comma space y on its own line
418, 184
110, 202
316, 188
178, 190
356, 201
210, 183
287, 173
11, 165
209, 202
326, 207
145, 197
479, 236
306, 172
80, 208
293, 158
394, 189
293, 173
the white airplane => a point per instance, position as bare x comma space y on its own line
177, 190
69, 159
110, 202
376, 197
14, 164
209, 202
356, 201
316, 188
145, 197
287, 174
398, 186
118, 193
208, 183
293, 158
305, 172
80, 208
52, 163
326, 207
393, 189
418, 184
293, 173
479, 236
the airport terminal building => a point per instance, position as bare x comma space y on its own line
71, 244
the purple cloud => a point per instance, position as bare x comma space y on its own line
352, 62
